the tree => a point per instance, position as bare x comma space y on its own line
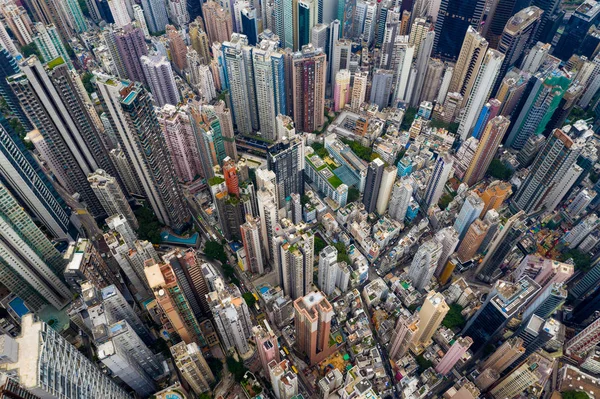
86, 79
214, 250
582, 261
594, 176
216, 366
454, 317
498, 170
249, 298
353, 194
445, 201
150, 227
360, 150
575, 395
236, 368
30, 49
409, 117
319, 244
423, 363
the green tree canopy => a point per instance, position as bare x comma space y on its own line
353, 194
30, 49
575, 395
319, 244
150, 227
215, 250
454, 318
498, 170
86, 79
236, 368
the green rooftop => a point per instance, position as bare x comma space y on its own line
213, 181
55, 62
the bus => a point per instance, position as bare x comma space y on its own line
286, 350
295, 369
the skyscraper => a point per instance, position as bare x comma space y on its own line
295, 256
139, 134
424, 264
576, 28
232, 318
454, 354
54, 106
27, 182
155, 12
10, 67
480, 91
388, 178
111, 196
30, 266
308, 86
505, 355
177, 47
534, 372
266, 345
313, 314
45, 362
470, 211
486, 149
327, 265
119, 12
359, 90
159, 76
495, 312
218, 22
437, 181
431, 315
381, 87
472, 240
372, 185
550, 166
401, 196
341, 90
405, 330
469, 60
286, 159
250, 232
131, 46
453, 20
192, 365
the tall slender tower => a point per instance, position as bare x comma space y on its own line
454, 354
486, 149
250, 232
308, 85
469, 60
193, 366
372, 185
111, 196
159, 77
424, 263
437, 181
432, 313
453, 20
313, 326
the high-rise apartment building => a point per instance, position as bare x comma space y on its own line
432, 313
294, 249
286, 160
45, 362
155, 12
191, 364
130, 46
218, 22
313, 326
283, 380
505, 355
494, 195
266, 345
534, 372
308, 86
372, 185
437, 181
472, 240
454, 354
359, 90
138, 131
341, 89
453, 20
118, 9
486, 149
111, 196
160, 79
250, 232
177, 47
470, 211
424, 264
587, 339
232, 319
400, 199
327, 272
49, 43
30, 266
406, 328
554, 161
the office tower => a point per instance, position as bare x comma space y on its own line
45, 361
431, 315
118, 9
454, 354
283, 380
10, 67
249, 24
269, 78
437, 181
155, 12
553, 162
313, 314
340, 55
31, 267
516, 38
199, 40
495, 313
307, 18
232, 318
6, 41
539, 106
421, 62
506, 354
372, 185
359, 90
180, 138
405, 330
320, 38
159, 76
480, 91
581, 230
467, 65
454, 18
486, 149
581, 201
191, 364
470, 211
494, 196
53, 105
327, 269
178, 315
424, 264
587, 283
139, 134
576, 29
250, 232
401, 196
25, 179
49, 44
532, 373
286, 160
308, 86
240, 76
472, 240
131, 46
341, 90
218, 22
111, 196
550, 299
